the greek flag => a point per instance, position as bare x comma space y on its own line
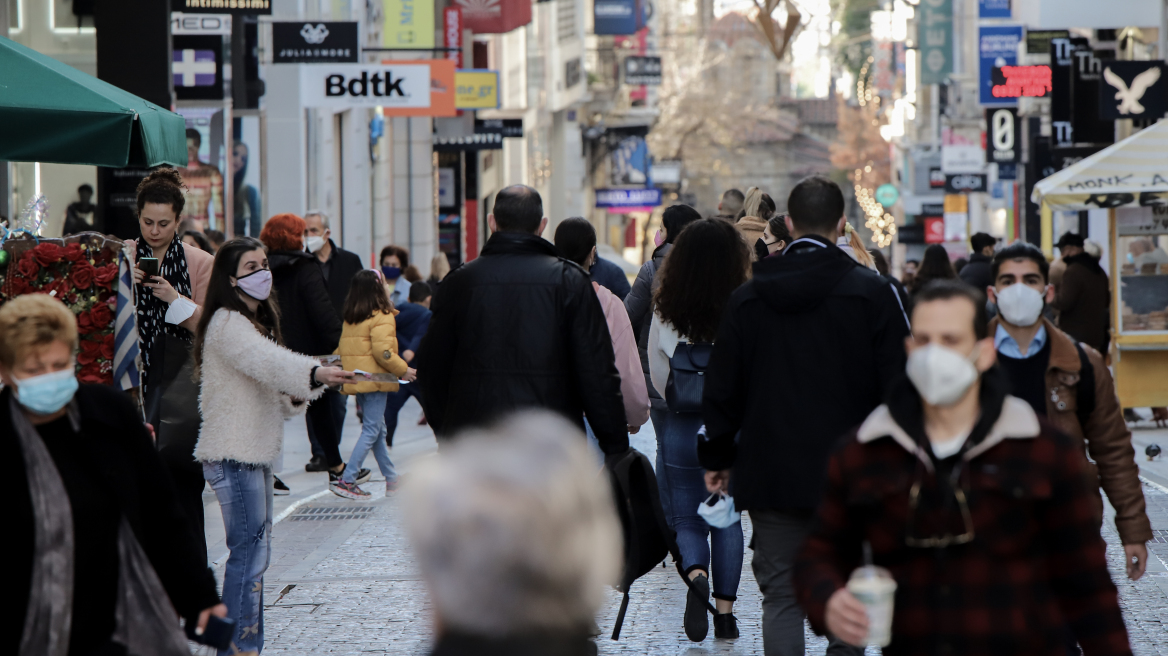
126, 356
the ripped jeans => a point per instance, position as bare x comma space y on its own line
245, 497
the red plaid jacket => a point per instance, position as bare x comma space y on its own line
1035, 566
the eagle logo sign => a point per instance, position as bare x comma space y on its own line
318, 34
1129, 97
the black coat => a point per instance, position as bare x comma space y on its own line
520, 327
977, 273
113, 444
805, 351
308, 322
343, 265
611, 277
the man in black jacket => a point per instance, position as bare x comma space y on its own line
338, 266
977, 272
804, 353
520, 327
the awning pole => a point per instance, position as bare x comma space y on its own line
1046, 219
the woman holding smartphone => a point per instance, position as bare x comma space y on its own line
172, 279
249, 385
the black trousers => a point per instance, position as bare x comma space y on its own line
322, 429
189, 484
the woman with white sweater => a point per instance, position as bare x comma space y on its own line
249, 384
708, 262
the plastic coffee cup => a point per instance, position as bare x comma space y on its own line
876, 589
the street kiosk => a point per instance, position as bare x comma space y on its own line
1130, 180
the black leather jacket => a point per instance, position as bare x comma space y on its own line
520, 327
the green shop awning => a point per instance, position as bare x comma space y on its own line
52, 112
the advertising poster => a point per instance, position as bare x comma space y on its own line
476, 89
207, 154
248, 216
935, 36
408, 24
997, 46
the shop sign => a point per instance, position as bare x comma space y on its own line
452, 34
1038, 41
494, 16
628, 198
993, 8
340, 86
956, 226
962, 158
997, 46
234, 7
934, 230
488, 141
408, 24
1021, 81
640, 70
936, 178
965, 183
1003, 135
887, 195
505, 127
1133, 89
666, 172
615, 17
185, 24
298, 42
630, 162
911, 233
476, 89
935, 37
197, 67
1140, 221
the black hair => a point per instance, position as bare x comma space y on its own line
816, 205
575, 238
980, 240
675, 218
709, 260
945, 289
934, 266
779, 230
518, 208
201, 240
221, 294
85, 187
165, 187
1019, 250
366, 297
880, 261
959, 264
215, 236
736, 198
420, 291
402, 255
766, 208
194, 134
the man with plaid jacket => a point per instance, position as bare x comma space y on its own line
984, 514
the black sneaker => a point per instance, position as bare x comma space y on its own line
363, 476
316, 465
725, 626
697, 623
278, 487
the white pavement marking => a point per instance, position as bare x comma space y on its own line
292, 508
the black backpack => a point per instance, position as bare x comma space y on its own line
687, 376
647, 536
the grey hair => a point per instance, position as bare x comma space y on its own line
324, 220
514, 529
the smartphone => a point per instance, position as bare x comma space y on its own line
218, 633
149, 266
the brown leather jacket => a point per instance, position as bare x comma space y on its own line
1106, 437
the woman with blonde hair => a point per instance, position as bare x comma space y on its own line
439, 267
758, 209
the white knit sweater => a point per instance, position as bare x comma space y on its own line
247, 385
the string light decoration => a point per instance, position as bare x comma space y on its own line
881, 223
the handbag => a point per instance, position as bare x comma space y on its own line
687, 376
172, 403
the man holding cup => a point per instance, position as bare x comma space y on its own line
981, 512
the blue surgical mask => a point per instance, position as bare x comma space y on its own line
719, 512
391, 273
47, 393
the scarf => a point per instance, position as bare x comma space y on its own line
1087, 261
145, 620
152, 310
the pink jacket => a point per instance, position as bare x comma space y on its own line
628, 361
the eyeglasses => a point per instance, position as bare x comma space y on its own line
937, 541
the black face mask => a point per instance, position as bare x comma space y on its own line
760, 248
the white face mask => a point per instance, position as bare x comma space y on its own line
720, 513
941, 375
315, 243
1020, 305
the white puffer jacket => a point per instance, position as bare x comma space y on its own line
247, 385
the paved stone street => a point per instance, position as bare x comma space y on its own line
342, 580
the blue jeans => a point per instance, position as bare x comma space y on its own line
372, 437
657, 418
245, 496
683, 479
393, 405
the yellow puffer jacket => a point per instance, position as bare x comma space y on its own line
371, 346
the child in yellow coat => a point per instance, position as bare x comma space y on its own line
369, 343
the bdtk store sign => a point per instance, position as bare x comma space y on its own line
341, 86
314, 43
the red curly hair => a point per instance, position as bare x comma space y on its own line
284, 232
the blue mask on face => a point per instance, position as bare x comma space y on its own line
47, 393
391, 273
